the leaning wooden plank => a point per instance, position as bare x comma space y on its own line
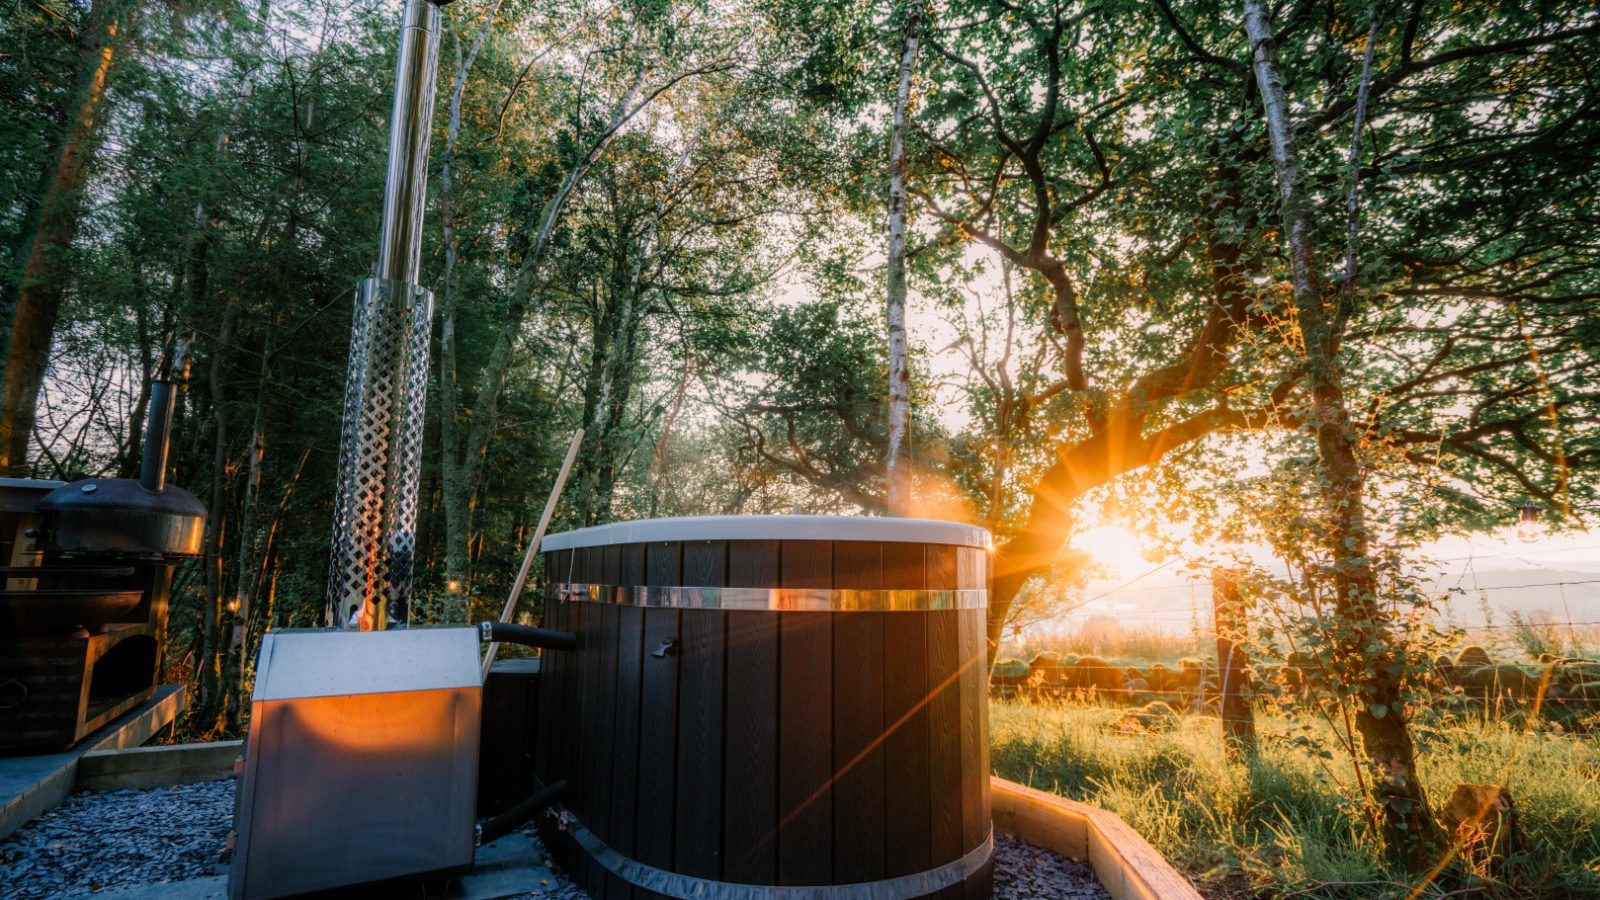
148, 767
1127, 866
533, 546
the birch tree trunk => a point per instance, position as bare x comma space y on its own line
44, 276
1411, 834
897, 474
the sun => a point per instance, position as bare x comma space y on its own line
1115, 548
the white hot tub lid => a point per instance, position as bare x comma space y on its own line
773, 528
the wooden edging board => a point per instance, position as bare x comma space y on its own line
1125, 863
148, 767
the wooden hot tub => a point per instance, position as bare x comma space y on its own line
759, 703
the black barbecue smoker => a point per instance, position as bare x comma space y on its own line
88, 574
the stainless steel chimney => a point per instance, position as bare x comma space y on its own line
380, 448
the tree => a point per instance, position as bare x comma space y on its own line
44, 274
897, 479
656, 57
1410, 829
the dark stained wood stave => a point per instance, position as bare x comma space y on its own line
805, 748
585, 671
941, 567
663, 563
750, 794
971, 568
905, 567
563, 664
632, 570
753, 563
605, 748
701, 650
624, 783
973, 574
805, 722
906, 699
581, 767
705, 564
805, 564
655, 814
944, 750
698, 850
611, 564
858, 723
974, 697
858, 747
502, 741
544, 750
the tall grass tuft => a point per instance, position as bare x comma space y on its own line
1285, 825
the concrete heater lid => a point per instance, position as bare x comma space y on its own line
329, 662
773, 528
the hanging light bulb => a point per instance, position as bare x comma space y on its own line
452, 585
1530, 527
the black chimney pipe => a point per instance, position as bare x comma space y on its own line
158, 435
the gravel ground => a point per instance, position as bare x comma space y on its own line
1025, 872
559, 887
97, 840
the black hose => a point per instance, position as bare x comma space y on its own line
528, 636
496, 827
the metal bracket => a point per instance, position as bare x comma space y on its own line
668, 647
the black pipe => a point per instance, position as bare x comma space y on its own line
496, 827
543, 638
158, 435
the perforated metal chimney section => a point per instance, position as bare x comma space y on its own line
380, 456
380, 446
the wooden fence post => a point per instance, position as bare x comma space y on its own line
1233, 665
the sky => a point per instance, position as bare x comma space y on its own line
1483, 579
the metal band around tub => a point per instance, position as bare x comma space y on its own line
686, 887
775, 599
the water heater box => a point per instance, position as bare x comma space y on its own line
362, 760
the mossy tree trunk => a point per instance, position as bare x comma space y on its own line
1365, 646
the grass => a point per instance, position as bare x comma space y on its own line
1284, 826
